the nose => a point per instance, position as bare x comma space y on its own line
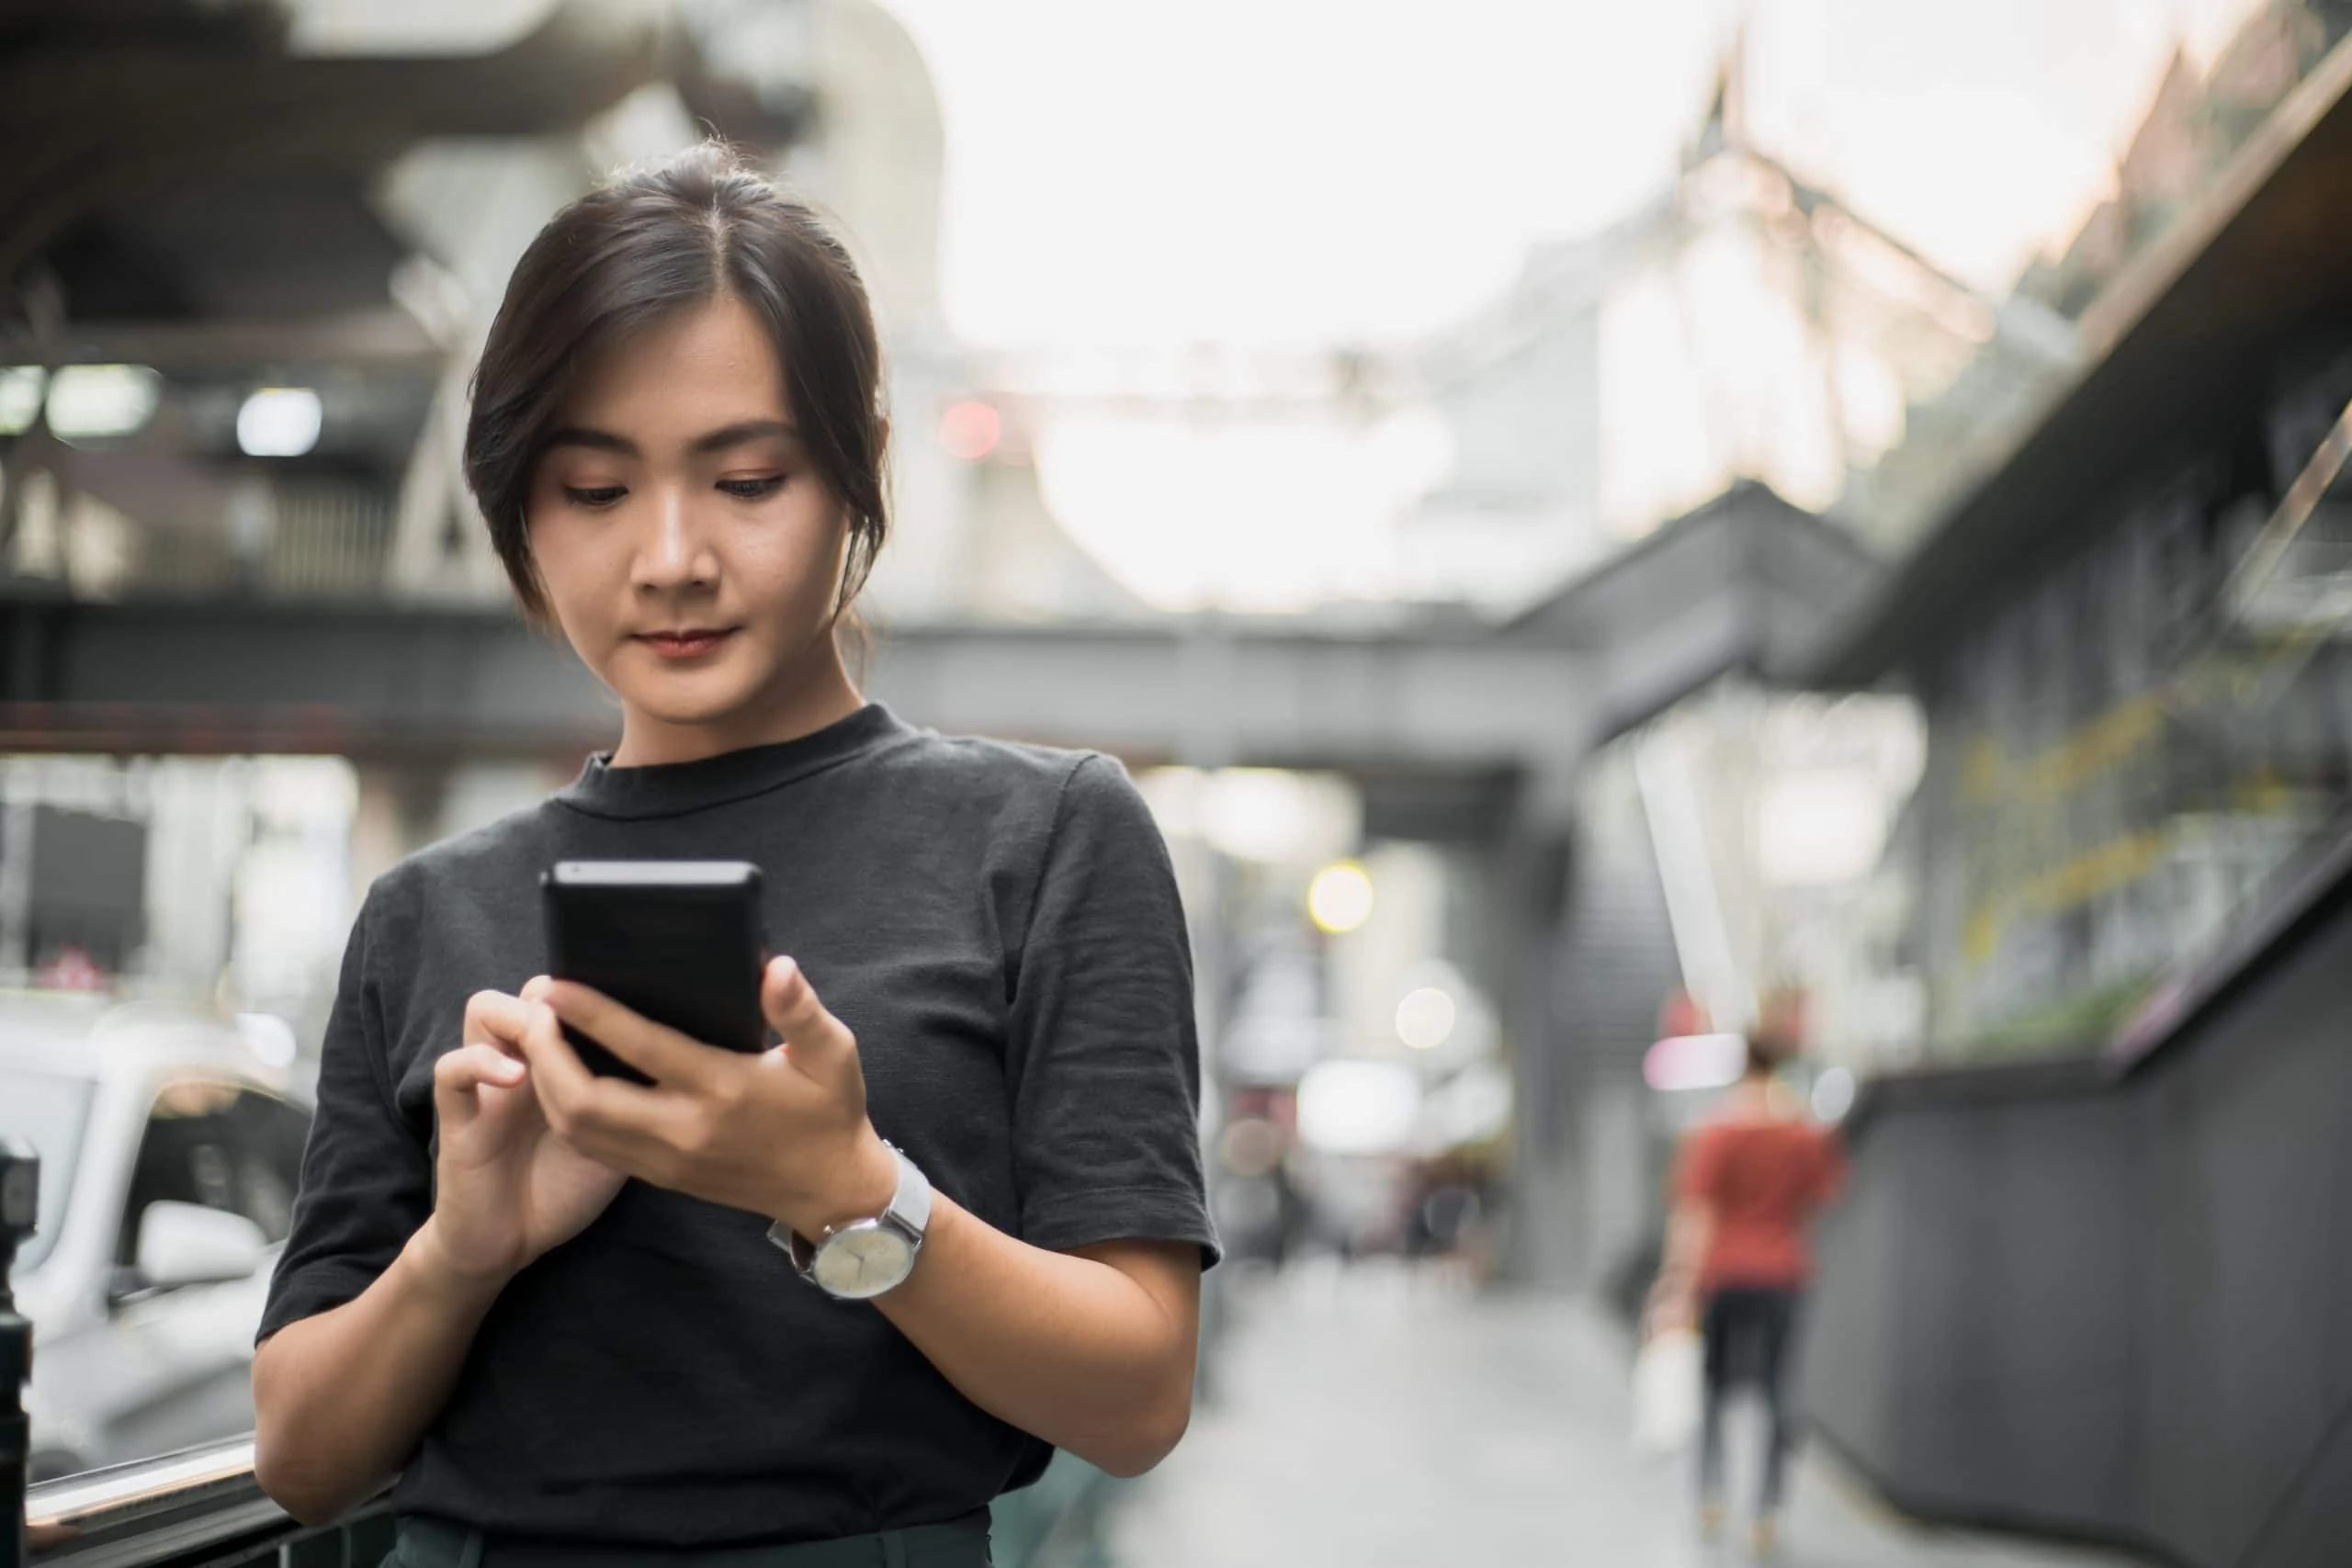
673, 555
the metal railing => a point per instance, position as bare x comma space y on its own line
202, 1506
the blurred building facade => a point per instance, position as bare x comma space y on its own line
2137, 734
2085, 1277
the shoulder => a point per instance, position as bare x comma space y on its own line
1053, 784
492, 855
982, 762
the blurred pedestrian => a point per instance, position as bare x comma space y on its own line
717, 1317
1745, 1182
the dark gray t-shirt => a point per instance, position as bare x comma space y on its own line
999, 926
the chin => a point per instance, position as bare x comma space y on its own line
702, 698
684, 714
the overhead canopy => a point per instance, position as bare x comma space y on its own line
2176, 352
185, 189
130, 118
1740, 585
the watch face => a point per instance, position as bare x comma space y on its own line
864, 1261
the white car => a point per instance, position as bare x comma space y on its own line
170, 1144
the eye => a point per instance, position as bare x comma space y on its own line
753, 490
601, 495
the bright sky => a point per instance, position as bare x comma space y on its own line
1305, 173
1301, 171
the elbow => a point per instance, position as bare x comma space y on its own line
1132, 1459
280, 1482
1142, 1443
309, 1503
310, 1500
288, 1471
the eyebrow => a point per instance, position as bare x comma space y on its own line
740, 432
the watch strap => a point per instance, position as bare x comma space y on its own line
911, 1204
908, 1212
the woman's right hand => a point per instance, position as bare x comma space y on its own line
505, 1189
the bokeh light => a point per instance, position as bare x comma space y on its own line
1682, 1062
970, 430
102, 403
280, 422
1358, 1108
1339, 898
1833, 1094
1424, 1018
20, 390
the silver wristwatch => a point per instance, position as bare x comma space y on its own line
858, 1261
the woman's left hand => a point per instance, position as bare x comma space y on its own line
784, 1133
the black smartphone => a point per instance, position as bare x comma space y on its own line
678, 941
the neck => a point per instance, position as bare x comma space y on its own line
801, 700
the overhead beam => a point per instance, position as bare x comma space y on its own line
1451, 726
374, 678
375, 338
1737, 585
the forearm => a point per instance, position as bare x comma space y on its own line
341, 1399
1687, 1233
1059, 1345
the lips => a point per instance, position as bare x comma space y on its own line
686, 642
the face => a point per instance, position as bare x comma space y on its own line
690, 549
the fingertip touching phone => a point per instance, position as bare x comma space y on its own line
678, 941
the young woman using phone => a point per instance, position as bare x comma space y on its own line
813, 1306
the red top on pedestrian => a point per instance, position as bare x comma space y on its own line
1759, 1180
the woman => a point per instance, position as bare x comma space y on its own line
548, 1300
1736, 1262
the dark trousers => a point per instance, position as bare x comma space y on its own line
426, 1542
1747, 1329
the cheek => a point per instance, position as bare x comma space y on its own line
796, 565
571, 571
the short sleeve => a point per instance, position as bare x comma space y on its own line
1102, 1059
1697, 1171
367, 1183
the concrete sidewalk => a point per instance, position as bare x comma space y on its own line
1378, 1418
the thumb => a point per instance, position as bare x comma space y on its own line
817, 1041
465, 1082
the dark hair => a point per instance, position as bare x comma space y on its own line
657, 239
1764, 1055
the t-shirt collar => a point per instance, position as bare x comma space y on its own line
671, 789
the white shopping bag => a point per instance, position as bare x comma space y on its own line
1668, 1375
